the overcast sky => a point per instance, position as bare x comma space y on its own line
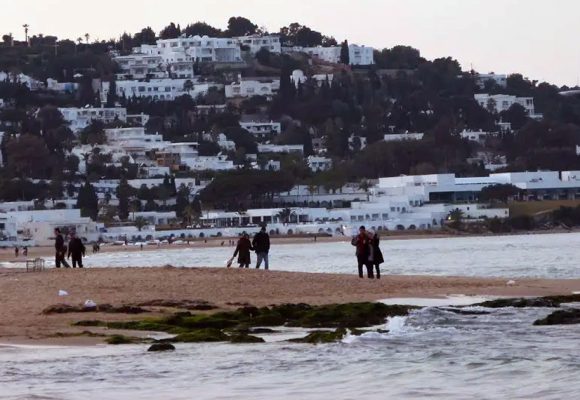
538, 38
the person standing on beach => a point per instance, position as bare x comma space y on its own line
261, 244
77, 249
243, 250
16, 250
376, 256
363, 248
59, 249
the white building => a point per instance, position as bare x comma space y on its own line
194, 49
358, 55
80, 118
319, 164
38, 226
26, 80
61, 87
262, 129
281, 148
157, 89
249, 87
298, 77
140, 66
498, 79
502, 102
400, 137
476, 136
257, 42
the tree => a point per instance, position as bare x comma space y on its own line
28, 156
94, 134
202, 29
365, 186
170, 32
240, 26
146, 36
455, 218
112, 94
140, 223
299, 35
286, 215
345, 53
516, 115
399, 57
87, 201
499, 192
124, 192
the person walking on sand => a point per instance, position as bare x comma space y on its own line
59, 250
77, 249
362, 244
243, 250
261, 244
376, 257
16, 250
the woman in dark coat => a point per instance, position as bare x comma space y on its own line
243, 250
376, 254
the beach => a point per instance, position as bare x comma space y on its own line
24, 296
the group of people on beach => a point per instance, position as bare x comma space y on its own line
367, 243
76, 250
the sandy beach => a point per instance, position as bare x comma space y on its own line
23, 296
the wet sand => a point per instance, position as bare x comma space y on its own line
23, 296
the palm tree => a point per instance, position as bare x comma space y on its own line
26, 26
286, 215
455, 218
189, 214
140, 222
87, 36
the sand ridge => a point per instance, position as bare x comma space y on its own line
23, 296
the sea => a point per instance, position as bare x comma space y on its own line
434, 353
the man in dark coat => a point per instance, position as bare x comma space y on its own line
60, 250
77, 250
261, 244
363, 252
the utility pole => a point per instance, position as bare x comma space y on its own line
26, 26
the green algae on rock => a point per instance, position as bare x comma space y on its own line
237, 326
321, 337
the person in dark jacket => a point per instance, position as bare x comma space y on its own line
77, 250
243, 250
363, 250
376, 257
261, 244
60, 250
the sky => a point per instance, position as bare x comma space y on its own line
538, 38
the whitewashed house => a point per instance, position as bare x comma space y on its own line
503, 102
358, 55
400, 137
249, 87
257, 42
319, 164
80, 118
262, 129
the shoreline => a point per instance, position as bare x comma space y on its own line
7, 254
24, 296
